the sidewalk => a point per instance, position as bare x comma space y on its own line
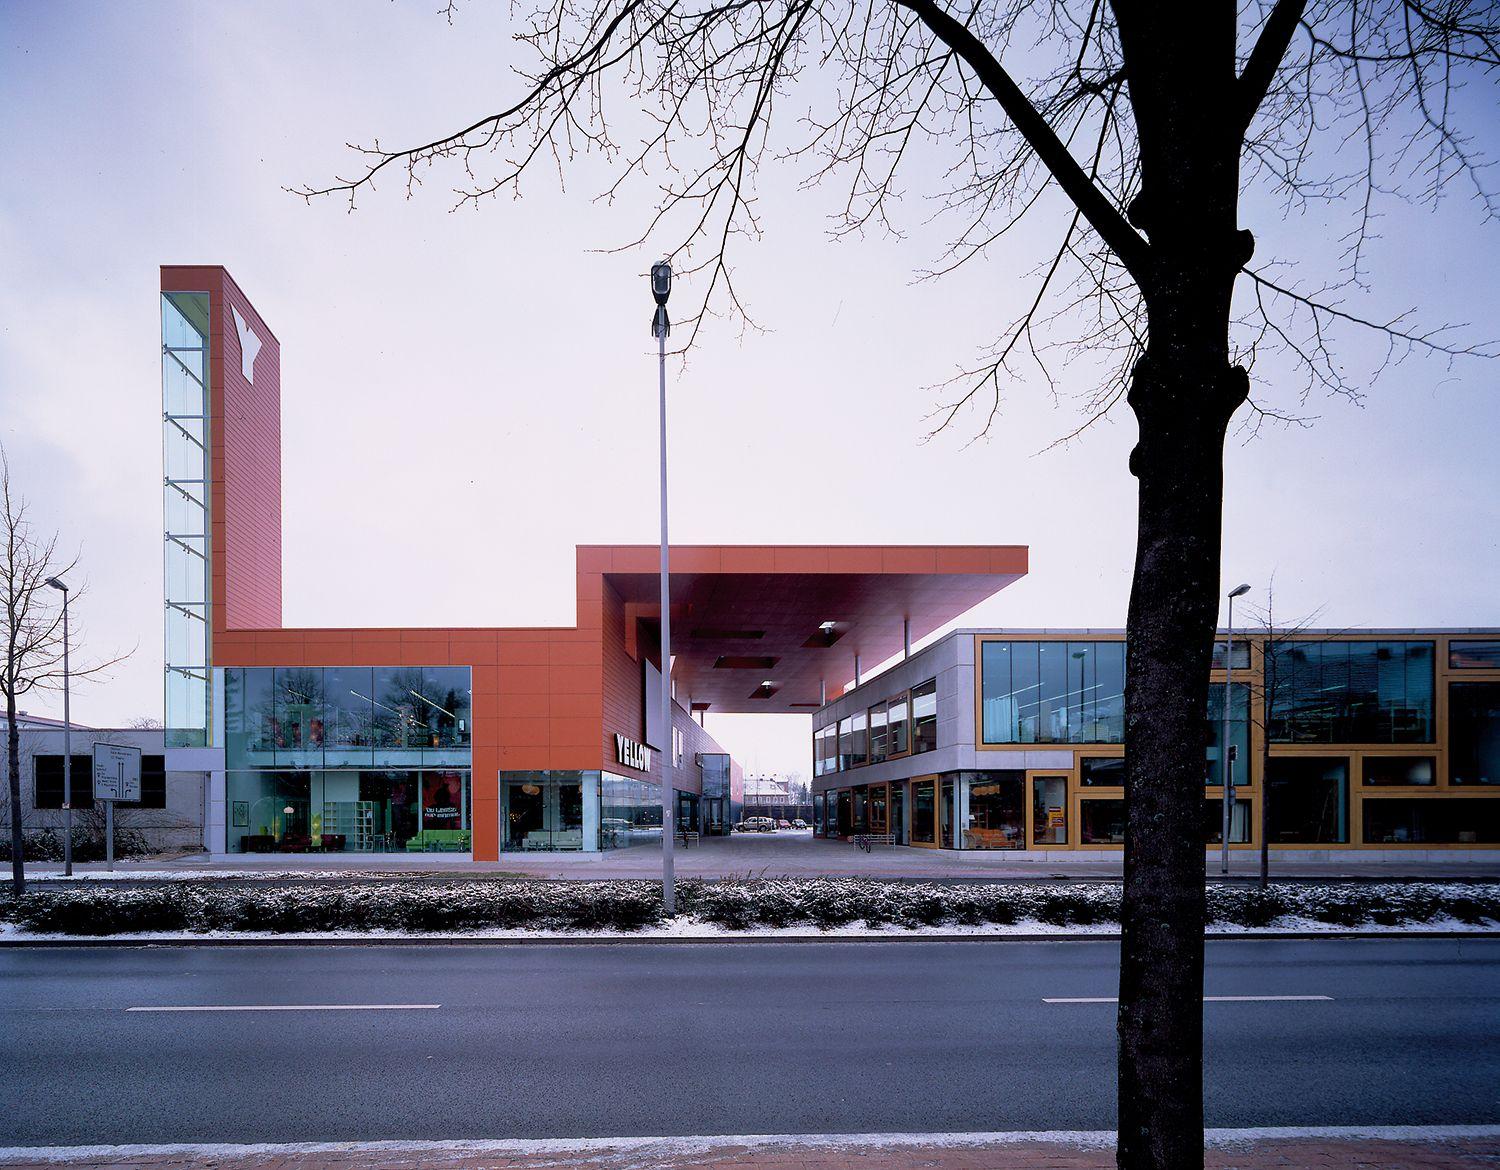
797, 854
1417, 1149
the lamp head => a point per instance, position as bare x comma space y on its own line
56, 584
661, 281
1239, 591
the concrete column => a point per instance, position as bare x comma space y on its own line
856, 670
906, 637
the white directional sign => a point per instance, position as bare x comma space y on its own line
117, 772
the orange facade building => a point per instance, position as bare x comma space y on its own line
467, 739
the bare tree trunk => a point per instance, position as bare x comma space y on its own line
13, 771
1183, 392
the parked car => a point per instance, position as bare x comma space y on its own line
783, 823
759, 825
799, 823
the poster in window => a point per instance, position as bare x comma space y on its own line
241, 814
442, 800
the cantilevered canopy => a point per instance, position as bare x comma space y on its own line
762, 628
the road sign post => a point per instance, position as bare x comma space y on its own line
117, 776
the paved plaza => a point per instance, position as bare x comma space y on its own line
796, 853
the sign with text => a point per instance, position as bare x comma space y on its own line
632, 754
117, 772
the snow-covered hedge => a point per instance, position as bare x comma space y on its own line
832, 902
426, 906
417, 907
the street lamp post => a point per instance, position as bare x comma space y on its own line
661, 289
67, 740
1226, 751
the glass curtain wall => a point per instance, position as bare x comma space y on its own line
1352, 692
355, 759
1052, 692
185, 476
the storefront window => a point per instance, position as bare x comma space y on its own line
924, 717
1474, 733
1101, 822
544, 811
820, 820
1049, 810
861, 811
898, 813
947, 813
1213, 822
844, 813
629, 811
1309, 800
1441, 821
348, 811
879, 809
997, 813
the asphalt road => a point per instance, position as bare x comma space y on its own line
542, 1041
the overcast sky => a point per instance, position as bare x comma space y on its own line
466, 396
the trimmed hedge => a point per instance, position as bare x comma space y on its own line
428, 906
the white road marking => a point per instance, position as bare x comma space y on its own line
291, 1007
680, 1146
1210, 999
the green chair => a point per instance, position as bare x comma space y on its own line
439, 841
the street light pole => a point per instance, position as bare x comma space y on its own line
1226, 751
67, 740
661, 289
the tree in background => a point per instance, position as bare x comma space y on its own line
33, 632
1274, 638
1132, 130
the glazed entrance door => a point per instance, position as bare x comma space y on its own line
924, 813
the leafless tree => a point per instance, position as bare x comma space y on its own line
1273, 636
33, 633
1131, 129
